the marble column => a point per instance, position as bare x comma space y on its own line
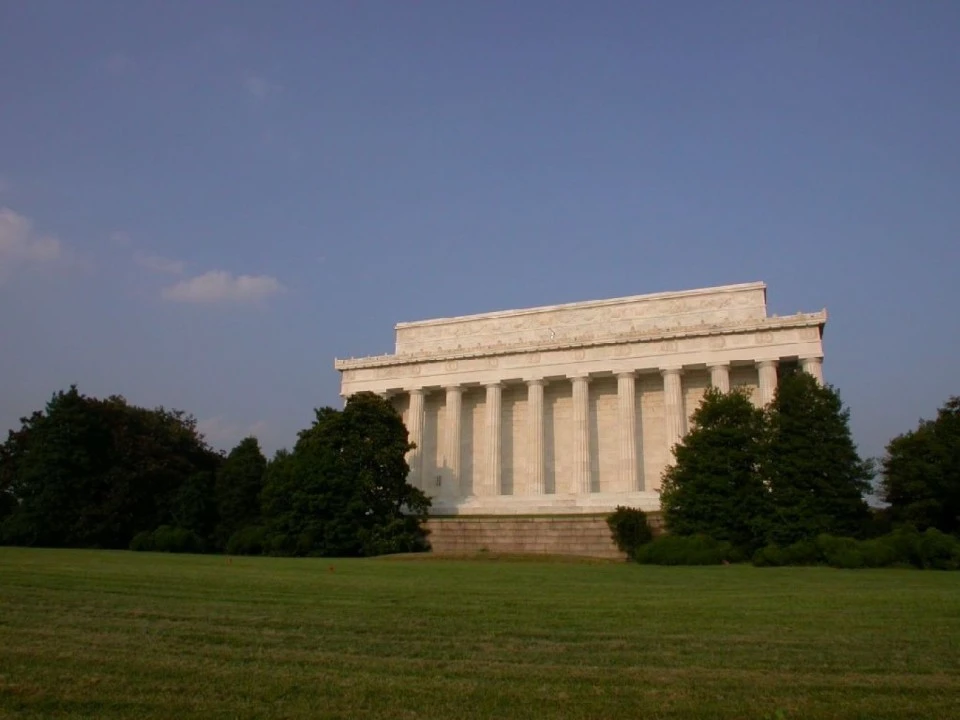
672, 406
494, 463
627, 406
581, 434
451, 451
720, 376
767, 371
415, 428
535, 435
814, 366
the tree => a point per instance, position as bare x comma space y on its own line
12, 453
715, 487
817, 480
195, 506
239, 483
921, 473
93, 473
343, 490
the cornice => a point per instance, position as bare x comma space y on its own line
817, 319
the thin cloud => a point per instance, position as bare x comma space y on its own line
219, 286
5, 185
21, 245
158, 264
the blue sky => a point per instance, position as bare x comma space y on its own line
202, 204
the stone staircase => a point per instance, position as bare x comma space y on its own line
585, 535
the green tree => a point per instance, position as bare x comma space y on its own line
921, 473
195, 506
239, 484
817, 480
93, 473
343, 490
12, 453
715, 488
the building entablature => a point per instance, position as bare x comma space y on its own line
814, 321
775, 341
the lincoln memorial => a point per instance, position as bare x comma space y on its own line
574, 408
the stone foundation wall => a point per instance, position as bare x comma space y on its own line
585, 535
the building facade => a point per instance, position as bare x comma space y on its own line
574, 408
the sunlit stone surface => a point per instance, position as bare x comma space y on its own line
574, 408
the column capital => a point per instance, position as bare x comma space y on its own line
626, 374
766, 363
415, 390
535, 381
493, 384
718, 364
578, 376
813, 364
453, 388
671, 370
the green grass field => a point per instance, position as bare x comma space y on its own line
115, 634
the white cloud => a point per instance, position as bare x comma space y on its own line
159, 264
218, 286
21, 245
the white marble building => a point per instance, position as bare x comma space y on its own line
574, 408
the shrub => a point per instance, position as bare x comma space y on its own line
629, 529
804, 552
402, 535
879, 552
905, 547
904, 544
278, 544
142, 541
247, 541
168, 539
840, 552
687, 550
939, 551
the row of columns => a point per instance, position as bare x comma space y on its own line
674, 418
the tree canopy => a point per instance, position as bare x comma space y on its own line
93, 473
239, 483
85, 472
817, 480
752, 476
343, 490
715, 487
921, 473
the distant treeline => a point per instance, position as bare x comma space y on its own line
102, 473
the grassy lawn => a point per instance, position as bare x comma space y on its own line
115, 634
